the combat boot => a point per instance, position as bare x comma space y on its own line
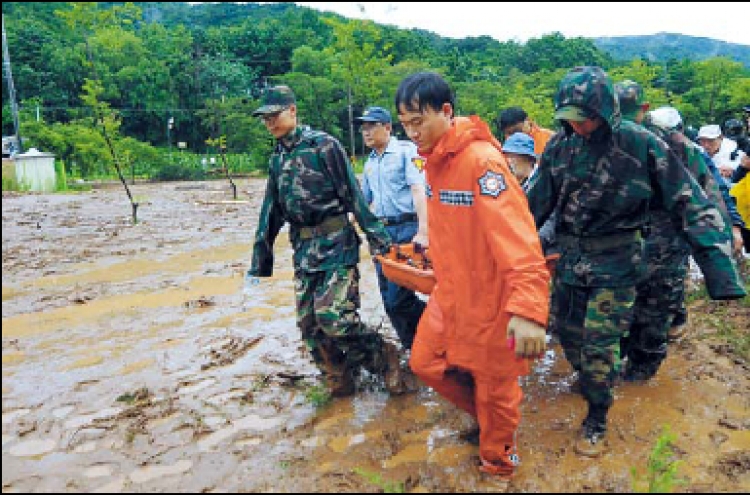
337, 375
592, 439
340, 381
639, 372
679, 326
393, 375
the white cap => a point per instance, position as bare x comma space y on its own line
667, 118
709, 131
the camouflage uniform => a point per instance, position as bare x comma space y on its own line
311, 186
660, 296
602, 187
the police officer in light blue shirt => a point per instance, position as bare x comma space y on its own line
394, 187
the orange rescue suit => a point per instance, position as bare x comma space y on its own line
540, 135
489, 265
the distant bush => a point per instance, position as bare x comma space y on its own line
172, 172
61, 178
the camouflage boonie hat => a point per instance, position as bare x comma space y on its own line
275, 100
632, 98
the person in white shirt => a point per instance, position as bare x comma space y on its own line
723, 151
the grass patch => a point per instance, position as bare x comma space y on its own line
725, 320
661, 470
377, 480
317, 395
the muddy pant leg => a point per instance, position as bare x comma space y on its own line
567, 316
336, 306
499, 413
403, 306
328, 356
681, 315
554, 310
659, 301
609, 314
428, 362
305, 284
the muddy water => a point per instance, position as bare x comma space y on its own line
131, 362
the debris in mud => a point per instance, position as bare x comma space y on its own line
730, 423
201, 302
142, 396
734, 464
229, 351
292, 378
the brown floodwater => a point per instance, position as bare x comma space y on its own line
131, 362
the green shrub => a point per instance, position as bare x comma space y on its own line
61, 178
173, 172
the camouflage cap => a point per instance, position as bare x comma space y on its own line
574, 113
632, 98
590, 89
275, 100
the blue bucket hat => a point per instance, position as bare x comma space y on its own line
519, 143
375, 114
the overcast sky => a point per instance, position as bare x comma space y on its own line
520, 21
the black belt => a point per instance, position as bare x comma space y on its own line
607, 241
402, 218
327, 226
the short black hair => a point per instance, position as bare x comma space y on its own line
511, 116
423, 89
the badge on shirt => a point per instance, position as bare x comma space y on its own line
492, 184
419, 162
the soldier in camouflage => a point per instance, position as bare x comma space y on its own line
666, 122
660, 296
601, 174
311, 185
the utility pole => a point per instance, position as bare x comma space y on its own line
170, 124
11, 89
351, 125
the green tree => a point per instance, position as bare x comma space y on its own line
363, 56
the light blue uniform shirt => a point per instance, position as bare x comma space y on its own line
388, 179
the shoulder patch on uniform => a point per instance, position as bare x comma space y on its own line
492, 184
419, 162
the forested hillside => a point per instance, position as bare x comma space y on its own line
178, 74
663, 47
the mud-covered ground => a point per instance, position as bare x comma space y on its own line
131, 363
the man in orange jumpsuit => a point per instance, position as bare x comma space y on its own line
515, 119
492, 284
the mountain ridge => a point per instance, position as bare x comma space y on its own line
664, 46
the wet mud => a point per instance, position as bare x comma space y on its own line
132, 362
